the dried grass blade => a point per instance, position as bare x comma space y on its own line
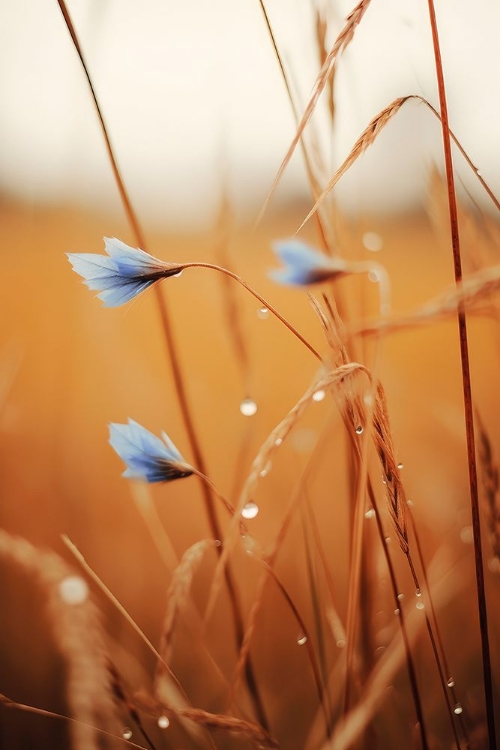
365, 140
178, 594
446, 587
9, 703
340, 44
79, 637
471, 292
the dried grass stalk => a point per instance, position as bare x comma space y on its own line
472, 292
342, 41
394, 486
446, 586
240, 727
365, 140
490, 489
79, 636
178, 594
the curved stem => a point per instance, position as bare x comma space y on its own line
258, 297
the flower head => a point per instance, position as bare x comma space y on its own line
303, 265
121, 275
147, 456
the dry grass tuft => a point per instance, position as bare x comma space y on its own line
78, 635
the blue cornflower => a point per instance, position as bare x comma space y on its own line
147, 456
304, 265
123, 274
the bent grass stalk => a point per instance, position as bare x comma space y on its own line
369, 136
176, 372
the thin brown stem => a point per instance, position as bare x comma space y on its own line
409, 658
437, 642
258, 297
307, 642
467, 390
176, 372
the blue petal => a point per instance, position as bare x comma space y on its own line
303, 264
116, 295
146, 455
92, 266
130, 261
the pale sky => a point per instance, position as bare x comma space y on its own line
188, 87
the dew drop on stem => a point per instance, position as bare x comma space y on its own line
250, 510
248, 407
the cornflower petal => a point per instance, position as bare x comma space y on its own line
123, 273
304, 265
147, 456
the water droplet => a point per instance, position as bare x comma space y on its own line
410, 503
420, 605
251, 510
218, 543
397, 611
370, 513
278, 441
467, 535
163, 722
263, 313
359, 430
451, 682
401, 597
372, 241
176, 275
374, 276
341, 643
458, 709
418, 592
302, 639
249, 544
387, 540
126, 733
73, 590
400, 466
267, 468
248, 407
319, 396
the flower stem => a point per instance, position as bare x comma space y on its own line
258, 297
